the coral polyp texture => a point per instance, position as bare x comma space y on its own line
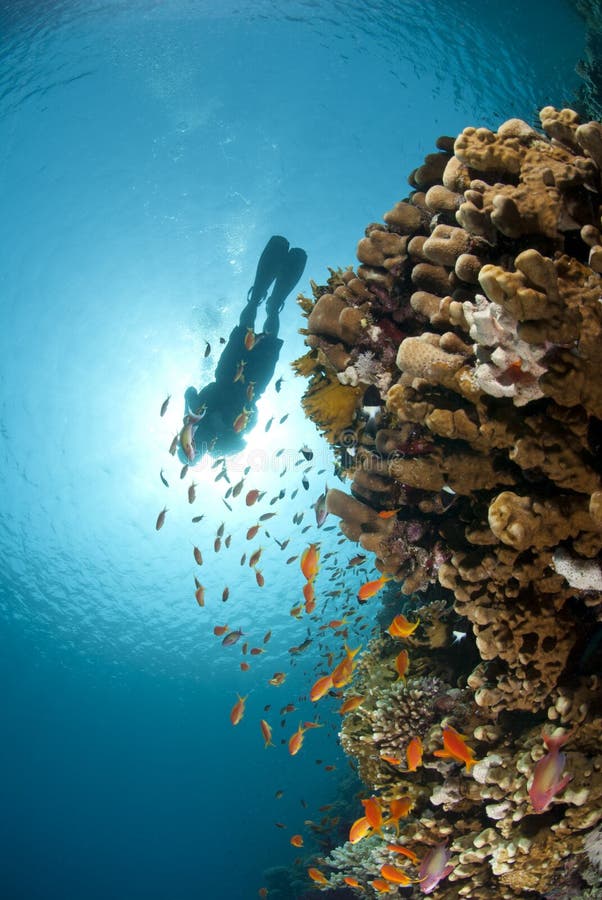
457, 372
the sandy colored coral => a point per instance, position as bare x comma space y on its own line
475, 319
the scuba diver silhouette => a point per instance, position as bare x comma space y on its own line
217, 416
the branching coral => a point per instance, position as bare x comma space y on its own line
476, 314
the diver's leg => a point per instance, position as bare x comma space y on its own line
271, 261
247, 316
287, 279
272, 322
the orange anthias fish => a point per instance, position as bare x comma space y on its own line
296, 740
400, 627
297, 840
266, 731
402, 664
397, 876
199, 592
277, 679
255, 557
370, 588
310, 605
351, 703
250, 339
414, 754
241, 421
251, 497
352, 882
381, 886
397, 848
388, 513
317, 876
309, 594
252, 532
198, 556
373, 813
321, 688
342, 674
454, 747
360, 828
238, 710
219, 630
399, 809
389, 758
310, 562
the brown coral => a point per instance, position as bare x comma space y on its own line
477, 315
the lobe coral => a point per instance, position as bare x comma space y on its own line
457, 373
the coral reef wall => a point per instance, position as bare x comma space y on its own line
458, 375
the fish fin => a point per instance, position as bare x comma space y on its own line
562, 784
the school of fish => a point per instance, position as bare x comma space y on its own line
331, 641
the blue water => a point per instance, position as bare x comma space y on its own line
147, 152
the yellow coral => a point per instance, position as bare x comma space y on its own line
331, 405
305, 365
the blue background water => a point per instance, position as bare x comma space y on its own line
147, 152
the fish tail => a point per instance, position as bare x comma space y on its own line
555, 743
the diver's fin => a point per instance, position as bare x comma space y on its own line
271, 262
287, 279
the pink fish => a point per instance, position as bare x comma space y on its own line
434, 868
547, 780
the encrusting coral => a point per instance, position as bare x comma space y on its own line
458, 375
